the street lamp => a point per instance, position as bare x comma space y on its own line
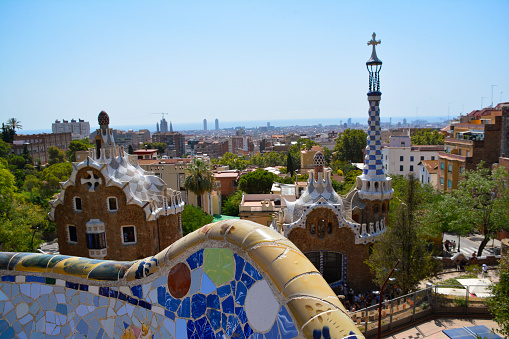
380, 296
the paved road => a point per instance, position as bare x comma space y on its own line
470, 244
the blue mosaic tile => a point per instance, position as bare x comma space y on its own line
247, 280
214, 318
195, 260
104, 291
239, 266
248, 330
213, 301
223, 291
83, 287
9, 278
239, 311
113, 293
286, 326
61, 308
220, 335
231, 325
190, 328
227, 305
184, 310
172, 304
132, 300
72, 285
239, 333
240, 294
137, 291
82, 327
30, 278
207, 286
122, 296
274, 332
249, 269
198, 305
169, 314
232, 284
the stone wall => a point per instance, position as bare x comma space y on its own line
341, 240
230, 279
151, 236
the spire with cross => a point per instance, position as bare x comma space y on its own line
373, 42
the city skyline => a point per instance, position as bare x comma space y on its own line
272, 61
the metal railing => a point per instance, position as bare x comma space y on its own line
434, 300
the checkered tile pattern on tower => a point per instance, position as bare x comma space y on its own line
373, 165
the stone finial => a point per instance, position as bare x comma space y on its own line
103, 118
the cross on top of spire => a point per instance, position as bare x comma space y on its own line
374, 59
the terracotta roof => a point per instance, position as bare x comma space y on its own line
148, 161
145, 151
226, 175
431, 166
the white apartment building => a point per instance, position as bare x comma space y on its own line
428, 172
79, 129
400, 157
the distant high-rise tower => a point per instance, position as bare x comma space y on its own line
171, 128
373, 186
204, 124
217, 124
268, 124
164, 125
349, 121
157, 127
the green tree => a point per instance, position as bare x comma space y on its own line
403, 240
14, 124
8, 133
20, 231
232, 204
350, 144
55, 155
289, 164
499, 303
199, 178
26, 155
130, 150
426, 136
5, 149
233, 161
481, 202
159, 146
193, 218
327, 155
51, 177
257, 182
75, 146
7, 189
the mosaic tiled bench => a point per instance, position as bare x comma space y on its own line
231, 279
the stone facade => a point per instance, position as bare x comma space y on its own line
110, 208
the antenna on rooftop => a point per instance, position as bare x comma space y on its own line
162, 114
492, 94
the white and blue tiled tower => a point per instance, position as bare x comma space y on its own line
373, 184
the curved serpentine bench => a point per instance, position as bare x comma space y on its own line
231, 279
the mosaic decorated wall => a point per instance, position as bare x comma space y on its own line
231, 279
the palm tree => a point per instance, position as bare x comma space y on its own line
199, 178
14, 123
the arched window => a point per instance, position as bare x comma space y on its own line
375, 208
312, 228
329, 228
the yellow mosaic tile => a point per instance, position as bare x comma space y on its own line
175, 249
264, 255
313, 314
237, 233
261, 234
311, 284
194, 238
74, 266
288, 266
288, 243
218, 229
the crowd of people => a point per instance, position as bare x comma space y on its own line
355, 301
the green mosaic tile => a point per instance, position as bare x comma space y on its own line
218, 265
50, 281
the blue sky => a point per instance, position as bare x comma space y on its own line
246, 60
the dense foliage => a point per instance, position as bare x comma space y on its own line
232, 204
479, 204
404, 240
499, 303
193, 218
426, 136
257, 182
349, 145
199, 179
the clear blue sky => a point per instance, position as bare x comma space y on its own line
246, 60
